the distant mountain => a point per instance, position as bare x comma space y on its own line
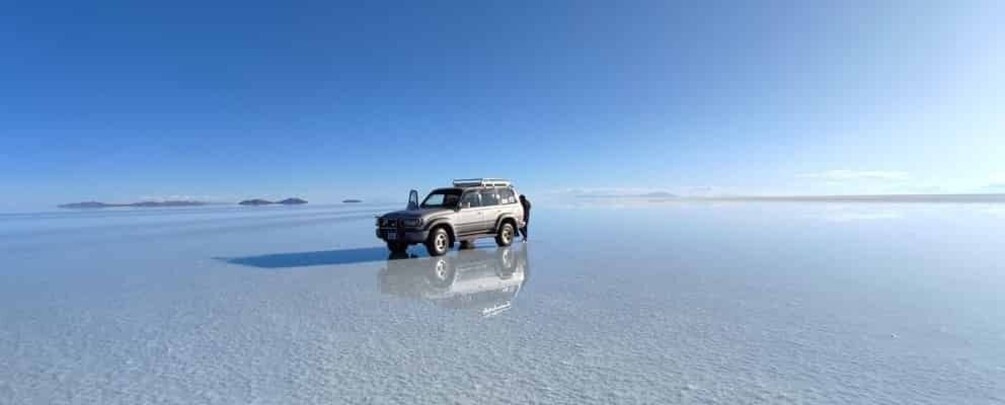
256, 201
654, 194
288, 201
659, 194
293, 201
879, 198
351, 201
141, 204
986, 198
88, 204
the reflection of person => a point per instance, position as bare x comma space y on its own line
523, 263
526, 216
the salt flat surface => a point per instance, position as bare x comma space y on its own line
675, 303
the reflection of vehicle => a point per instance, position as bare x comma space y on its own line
485, 280
471, 209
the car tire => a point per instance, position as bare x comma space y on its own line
397, 247
505, 235
438, 242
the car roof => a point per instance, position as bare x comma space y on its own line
463, 188
482, 182
447, 189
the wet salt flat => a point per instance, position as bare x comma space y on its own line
673, 303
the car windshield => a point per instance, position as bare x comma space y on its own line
443, 198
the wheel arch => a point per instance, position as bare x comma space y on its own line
444, 223
504, 219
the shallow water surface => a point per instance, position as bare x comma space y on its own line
691, 303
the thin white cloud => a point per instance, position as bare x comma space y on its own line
615, 192
842, 175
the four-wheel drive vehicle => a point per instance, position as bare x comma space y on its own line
471, 209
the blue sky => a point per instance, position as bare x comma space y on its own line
119, 101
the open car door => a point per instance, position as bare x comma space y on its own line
413, 200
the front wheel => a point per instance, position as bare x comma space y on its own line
505, 236
438, 242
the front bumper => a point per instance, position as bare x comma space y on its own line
402, 235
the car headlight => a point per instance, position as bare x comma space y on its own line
412, 222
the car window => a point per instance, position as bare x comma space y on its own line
442, 199
489, 197
506, 196
471, 199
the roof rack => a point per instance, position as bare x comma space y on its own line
482, 182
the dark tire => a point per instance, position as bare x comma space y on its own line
505, 236
397, 247
438, 242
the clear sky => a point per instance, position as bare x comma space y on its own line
119, 101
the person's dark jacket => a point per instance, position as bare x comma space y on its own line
526, 209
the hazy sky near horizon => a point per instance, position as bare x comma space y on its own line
119, 101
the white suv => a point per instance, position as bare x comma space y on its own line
471, 209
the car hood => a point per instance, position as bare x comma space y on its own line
417, 213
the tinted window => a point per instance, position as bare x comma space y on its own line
506, 196
442, 199
489, 197
471, 199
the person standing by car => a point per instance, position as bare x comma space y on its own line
526, 216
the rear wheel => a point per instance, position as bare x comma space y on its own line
438, 242
397, 247
505, 235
